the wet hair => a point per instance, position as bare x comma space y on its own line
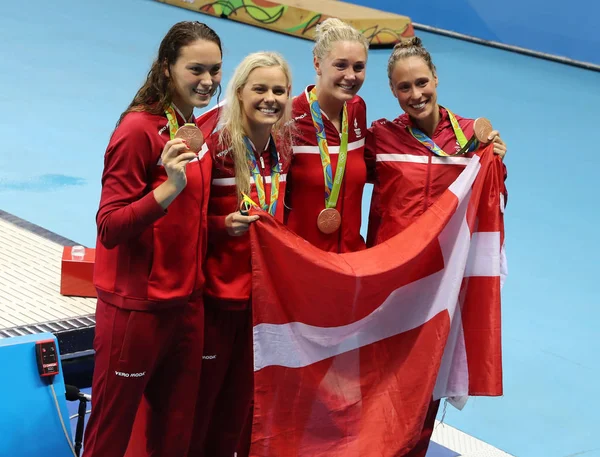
156, 93
231, 119
333, 30
409, 48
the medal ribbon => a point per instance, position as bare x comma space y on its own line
271, 207
332, 185
465, 145
173, 124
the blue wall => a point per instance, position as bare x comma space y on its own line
29, 422
567, 29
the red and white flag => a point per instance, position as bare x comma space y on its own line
349, 349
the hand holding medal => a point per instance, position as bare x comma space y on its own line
482, 129
192, 137
238, 223
483, 133
184, 146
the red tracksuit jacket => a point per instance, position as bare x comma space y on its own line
228, 262
147, 258
409, 177
305, 197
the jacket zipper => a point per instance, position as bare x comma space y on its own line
342, 196
427, 185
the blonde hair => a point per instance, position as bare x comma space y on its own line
412, 47
333, 30
231, 118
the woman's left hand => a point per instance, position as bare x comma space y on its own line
499, 145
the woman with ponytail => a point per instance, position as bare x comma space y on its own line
328, 172
409, 176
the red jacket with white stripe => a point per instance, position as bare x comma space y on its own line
305, 197
408, 176
148, 258
228, 262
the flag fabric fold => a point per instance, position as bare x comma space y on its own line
349, 349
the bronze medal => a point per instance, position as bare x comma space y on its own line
482, 129
192, 136
329, 220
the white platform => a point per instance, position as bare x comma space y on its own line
30, 260
456, 442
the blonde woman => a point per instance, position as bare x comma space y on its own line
249, 154
328, 172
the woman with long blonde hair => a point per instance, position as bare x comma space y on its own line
250, 154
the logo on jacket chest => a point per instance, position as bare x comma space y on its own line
357, 130
223, 153
160, 132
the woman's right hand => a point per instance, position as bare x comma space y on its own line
237, 224
175, 156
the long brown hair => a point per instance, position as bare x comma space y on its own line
156, 93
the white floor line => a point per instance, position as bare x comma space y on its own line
462, 443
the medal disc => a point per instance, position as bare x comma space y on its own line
192, 135
329, 220
482, 129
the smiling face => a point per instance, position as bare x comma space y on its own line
264, 97
195, 75
415, 86
342, 71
